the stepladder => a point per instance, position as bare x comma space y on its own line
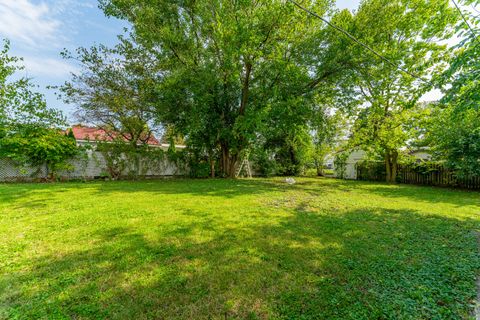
244, 167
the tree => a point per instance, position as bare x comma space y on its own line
229, 67
383, 99
328, 129
20, 106
114, 90
29, 131
454, 132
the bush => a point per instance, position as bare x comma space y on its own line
341, 164
265, 165
371, 171
40, 146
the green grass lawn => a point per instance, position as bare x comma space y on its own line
223, 249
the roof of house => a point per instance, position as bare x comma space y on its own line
85, 133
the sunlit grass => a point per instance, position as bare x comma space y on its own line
207, 249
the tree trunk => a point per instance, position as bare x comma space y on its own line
394, 163
233, 165
212, 167
388, 167
391, 165
245, 89
319, 169
224, 159
228, 161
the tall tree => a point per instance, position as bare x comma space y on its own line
384, 99
228, 67
454, 132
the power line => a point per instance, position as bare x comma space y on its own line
351, 37
466, 22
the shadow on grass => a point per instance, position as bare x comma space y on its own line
37, 196
434, 195
456, 197
359, 264
228, 189
11, 193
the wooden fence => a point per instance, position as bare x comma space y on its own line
430, 174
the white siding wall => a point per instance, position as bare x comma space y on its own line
353, 158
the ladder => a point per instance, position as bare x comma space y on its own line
245, 164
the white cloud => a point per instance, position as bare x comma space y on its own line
48, 67
33, 24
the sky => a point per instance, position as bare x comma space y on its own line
39, 30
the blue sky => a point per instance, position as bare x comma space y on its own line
40, 29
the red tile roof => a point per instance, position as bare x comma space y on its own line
92, 133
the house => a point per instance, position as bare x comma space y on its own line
421, 154
350, 164
85, 135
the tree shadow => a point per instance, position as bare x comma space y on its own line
459, 198
32, 196
228, 189
222, 188
358, 264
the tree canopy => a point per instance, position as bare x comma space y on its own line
454, 130
382, 94
231, 78
230, 68
114, 90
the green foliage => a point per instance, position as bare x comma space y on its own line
382, 100
286, 152
20, 107
327, 124
117, 156
265, 164
124, 160
29, 131
454, 131
229, 70
115, 90
455, 137
340, 162
370, 170
198, 168
193, 161
39, 146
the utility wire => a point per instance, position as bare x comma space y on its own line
351, 37
466, 22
